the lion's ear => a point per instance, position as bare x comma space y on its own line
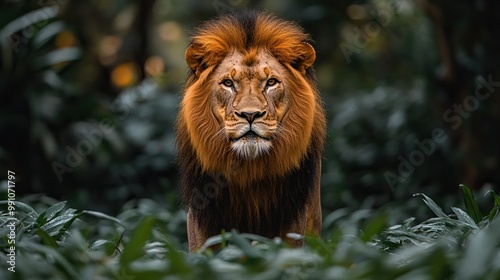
194, 58
306, 57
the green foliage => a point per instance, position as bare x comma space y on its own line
62, 243
391, 91
57, 98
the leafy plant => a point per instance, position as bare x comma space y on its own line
141, 243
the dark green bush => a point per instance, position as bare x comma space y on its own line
144, 242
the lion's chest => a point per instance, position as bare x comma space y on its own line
266, 207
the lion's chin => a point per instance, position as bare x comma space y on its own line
251, 147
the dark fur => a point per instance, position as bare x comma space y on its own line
222, 212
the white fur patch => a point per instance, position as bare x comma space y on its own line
251, 148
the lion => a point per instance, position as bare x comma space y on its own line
250, 130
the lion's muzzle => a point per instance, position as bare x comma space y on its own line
249, 140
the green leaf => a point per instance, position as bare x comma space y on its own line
375, 226
134, 249
249, 250
58, 56
53, 226
433, 206
25, 208
493, 213
103, 216
178, 264
256, 237
464, 217
47, 33
54, 255
46, 238
26, 20
41, 220
496, 208
66, 226
55, 209
115, 247
220, 239
319, 246
471, 204
496, 197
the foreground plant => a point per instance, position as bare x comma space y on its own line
141, 243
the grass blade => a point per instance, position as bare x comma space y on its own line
46, 238
433, 206
496, 208
134, 249
103, 216
471, 204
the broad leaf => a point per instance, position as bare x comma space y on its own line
464, 217
55, 209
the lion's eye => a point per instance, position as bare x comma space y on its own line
271, 82
227, 83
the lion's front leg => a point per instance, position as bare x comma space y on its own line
298, 227
311, 221
195, 236
313, 213
313, 207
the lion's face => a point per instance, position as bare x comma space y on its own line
249, 101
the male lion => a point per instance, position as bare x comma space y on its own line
250, 130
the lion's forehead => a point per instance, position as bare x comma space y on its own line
250, 65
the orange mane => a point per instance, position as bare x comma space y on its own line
214, 40
198, 128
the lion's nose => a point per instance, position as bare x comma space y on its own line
250, 116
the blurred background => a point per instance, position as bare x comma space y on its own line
90, 90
